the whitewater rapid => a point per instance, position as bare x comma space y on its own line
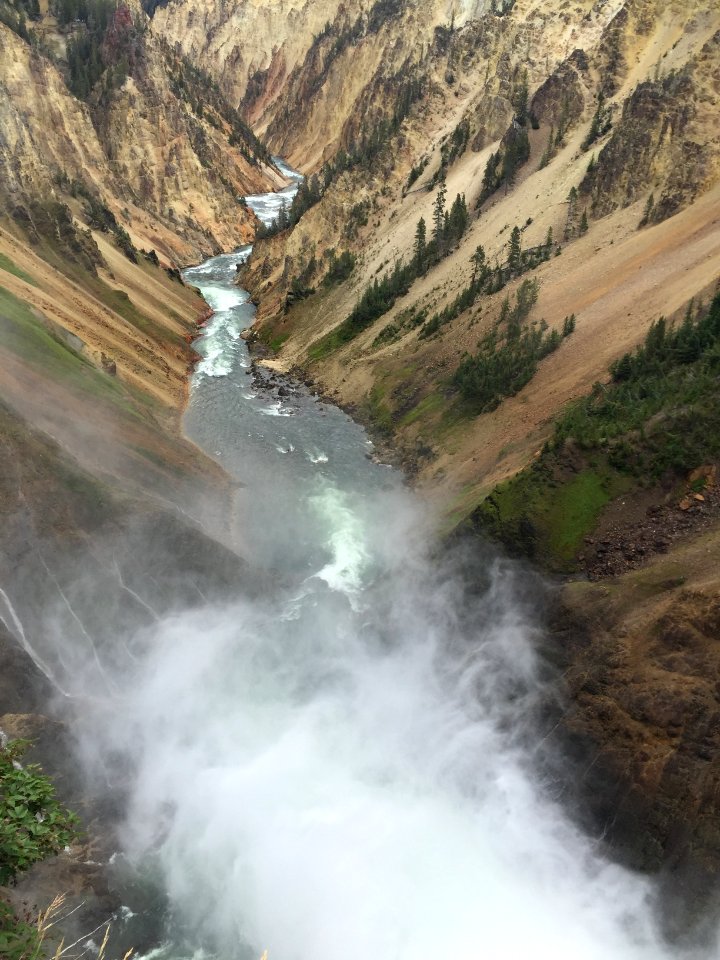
344, 767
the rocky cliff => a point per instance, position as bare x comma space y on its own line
165, 153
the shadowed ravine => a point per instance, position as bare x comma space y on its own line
346, 767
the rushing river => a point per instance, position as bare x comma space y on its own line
342, 769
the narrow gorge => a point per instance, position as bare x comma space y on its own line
360, 565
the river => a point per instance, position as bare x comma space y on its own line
344, 768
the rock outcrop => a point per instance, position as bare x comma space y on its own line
168, 174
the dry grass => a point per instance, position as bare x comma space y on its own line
55, 914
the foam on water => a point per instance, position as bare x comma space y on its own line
338, 770
277, 410
346, 543
267, 206
218, 345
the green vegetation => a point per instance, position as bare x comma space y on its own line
661, 411
33, 826
546, 514
416, 172
26, 337
381, 295
106, 45
556, 137
487, 280
15, 15
514, 150
503, 165
378, 411
506, 361
50, 226
57, 239
657, 419
600, 124
405, 320
193, 86
7, 265
339, 268
450, 151
647, 212
100, 217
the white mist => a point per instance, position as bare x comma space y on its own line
336, 774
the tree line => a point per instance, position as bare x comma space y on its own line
487, 279
671, 380
507, 358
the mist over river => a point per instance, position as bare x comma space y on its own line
344, 767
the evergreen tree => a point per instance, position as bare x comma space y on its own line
570, 222
520, 101
420, 247
458, 219
283, 219
490, 178
647, 213
568, 325
439, 215
600, 123
548, 151
515, 252
478, 262
517, 152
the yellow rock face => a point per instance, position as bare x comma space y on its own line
170, 177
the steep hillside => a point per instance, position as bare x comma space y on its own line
314, 72
503, 199
249, 47
600, 140
102, 499
109, 110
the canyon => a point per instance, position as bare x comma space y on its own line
581, 136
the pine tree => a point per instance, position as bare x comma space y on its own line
600, 123
458, 219
283, 219
515, 252
520, 101
490, 175
647, 213
571, 214
548, 151
439, 214
420, 248
583, 223
478, 262
504, 310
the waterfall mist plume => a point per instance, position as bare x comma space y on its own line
342, 767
